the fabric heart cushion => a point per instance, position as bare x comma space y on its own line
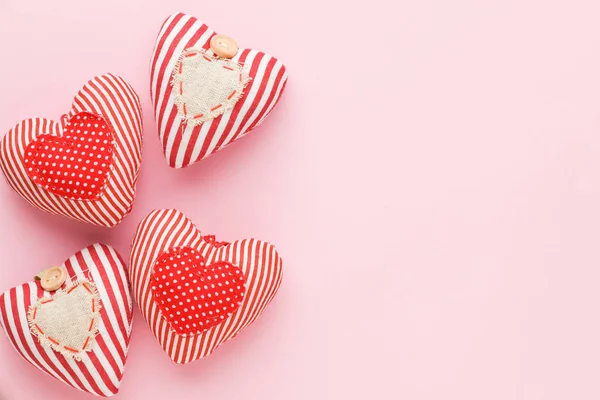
86, 165
80, 333
203, 103
194, 292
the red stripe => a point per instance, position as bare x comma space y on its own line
235, 111
134, 102
260, 277
252, 248
101, 371
270, 99
141, 235
254, 105
111, 304
159, 45
113, 292
113, 112
116, 264
101, 341
167, 93
127, 117
162, 70
107, 304
9, 332
18, 335
187, 159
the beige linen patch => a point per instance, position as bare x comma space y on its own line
206, 86
67, 321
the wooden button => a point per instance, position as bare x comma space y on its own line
223, 46
53, 278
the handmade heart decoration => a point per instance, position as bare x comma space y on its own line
194, 292
86, 166
207, 92
75, 323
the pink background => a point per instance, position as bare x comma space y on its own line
431, 178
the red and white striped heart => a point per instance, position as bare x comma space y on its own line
79, 334
181, 278
199, 107
86, 165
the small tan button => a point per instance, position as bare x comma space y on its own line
223, 46
53, 278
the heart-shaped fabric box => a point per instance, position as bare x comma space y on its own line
185, 143
86, 165
163, 235
100, 369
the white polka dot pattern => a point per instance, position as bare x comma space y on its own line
77, 164
192, 296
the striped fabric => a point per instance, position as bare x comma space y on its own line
100, 371
166, 229
113, 98
184, 144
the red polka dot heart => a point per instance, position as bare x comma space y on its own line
192, 296
76, 164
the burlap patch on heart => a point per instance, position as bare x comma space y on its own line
206, 86
68, 321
